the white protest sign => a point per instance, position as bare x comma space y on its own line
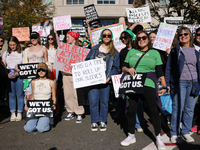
87, 73
116, 29
164, 36
116, 84
62, 22
192, 27
174, 20
141, 15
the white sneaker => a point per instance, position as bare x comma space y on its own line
19, 117
188, 138
79, 119
159, 143
103, 126
13, 117
174, 139
94, 127
129, 140
70, 116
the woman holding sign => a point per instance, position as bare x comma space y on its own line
150, 63
43, 88
110, 55
11, 58
182, 76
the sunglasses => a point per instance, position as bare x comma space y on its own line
124, 37
198, 34
41, 70
33, 38
1, 40
185, 34
143, 38
50, 38
105, 35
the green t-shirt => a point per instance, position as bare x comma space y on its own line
147, 64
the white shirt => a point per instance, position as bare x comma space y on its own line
51, 54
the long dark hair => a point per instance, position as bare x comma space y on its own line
14, 39
195, 39
136, 40
129, 37
54, 41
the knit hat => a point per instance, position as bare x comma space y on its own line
87, 42
73, 34
131, 34
100, 38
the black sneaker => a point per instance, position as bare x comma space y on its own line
79, 119
70, 116
103, 126
94, 127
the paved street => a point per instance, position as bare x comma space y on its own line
67, 135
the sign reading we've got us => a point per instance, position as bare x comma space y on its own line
27, 71
87, 73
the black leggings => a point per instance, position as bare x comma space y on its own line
149, 97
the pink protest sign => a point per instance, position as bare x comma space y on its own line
62, 22
67, 55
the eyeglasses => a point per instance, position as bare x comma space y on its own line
143, 38
105, 35
33, 38
50, 38
124, 37
185, 34
198, 34
1, 40
41, 70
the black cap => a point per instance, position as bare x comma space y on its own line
34, 35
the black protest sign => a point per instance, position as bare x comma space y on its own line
132, 84
91, 15
39, 108
80, 30
27, 71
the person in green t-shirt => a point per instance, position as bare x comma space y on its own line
152, 65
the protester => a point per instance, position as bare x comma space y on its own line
34, 54
3, 85
72, 96
181, 72
48, 91
1, 45
11, 58
150, 64
86, 44
100, 93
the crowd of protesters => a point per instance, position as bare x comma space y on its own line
176, 69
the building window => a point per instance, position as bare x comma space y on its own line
47, 2
75, 2
77, 22
105, 1
130, 1
107, 22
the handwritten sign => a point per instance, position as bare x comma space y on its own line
87, 73
80, 30
116, 29
164, 36
22, 33
141, 15
27, 71
91, 15
62, 22
116, 84
44, 29
1, 25
68, 54
39, 108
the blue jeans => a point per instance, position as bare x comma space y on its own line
99, 93
41, 124
139, 115
16, 92
182, 99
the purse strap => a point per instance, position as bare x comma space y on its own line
140, 58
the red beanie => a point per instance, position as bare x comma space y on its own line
73, 34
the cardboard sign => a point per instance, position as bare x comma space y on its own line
141, 15
174, 20
27, 71
87, 73
91, 15
132, 84
44, 29
39, 108
1, 25
62, 22
116, 83
68, 54
116, 29
22, 34
164, 36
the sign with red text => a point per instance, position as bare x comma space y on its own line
116, 29
62, 22
69, 54
21, 33
88, 73
164, 36
1, 25
116, 84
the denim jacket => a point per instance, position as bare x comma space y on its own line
175, 66
112, 63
